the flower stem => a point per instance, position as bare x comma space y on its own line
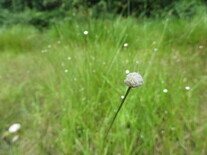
114, 118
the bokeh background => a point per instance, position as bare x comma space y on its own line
62, 67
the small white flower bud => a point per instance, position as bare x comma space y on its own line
14, 128
127, 71
126, 44
133, 80
15, 138
187, 88
85, 32
165, 90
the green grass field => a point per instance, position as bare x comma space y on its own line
64, 87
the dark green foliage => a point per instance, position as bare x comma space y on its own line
148, 7
42, 12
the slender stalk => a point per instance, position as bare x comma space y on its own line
114, 118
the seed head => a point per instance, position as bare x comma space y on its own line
133, 80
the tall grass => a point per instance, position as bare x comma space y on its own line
65, 98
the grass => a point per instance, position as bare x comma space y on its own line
66, 97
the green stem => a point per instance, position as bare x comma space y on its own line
127, 92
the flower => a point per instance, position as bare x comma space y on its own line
85, 32
187, 88
15, 138
14, 127
44, 51
66, 70
122, 97
133, 80
165, 90
201, 46
137, 62
155, 49
154, 43
127, 71
126, 44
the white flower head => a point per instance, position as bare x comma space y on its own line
44, 51
133, 80
15, 138
201, 46
14, 127
165, 90
126, 44
127, 71
154, 43
122, 97
155, 49
187, 88
85, 32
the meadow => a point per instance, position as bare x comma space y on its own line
64, 86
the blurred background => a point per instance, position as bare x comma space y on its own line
62, 67
42, 13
